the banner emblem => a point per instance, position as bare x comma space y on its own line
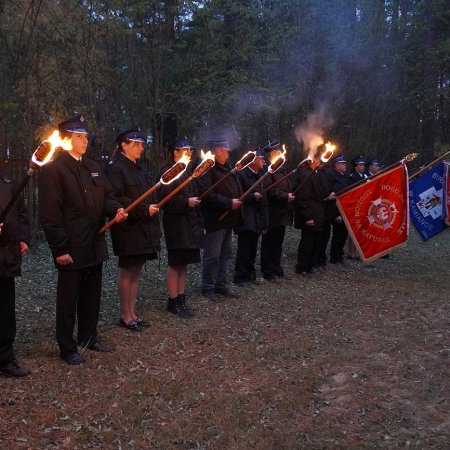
382, 213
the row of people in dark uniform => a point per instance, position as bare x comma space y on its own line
76, 194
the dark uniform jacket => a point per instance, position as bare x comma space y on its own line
335, 182
255, 213
280, 211
74, 198
140, 234
16, 228
183, 226
355, 176
220, 199
309, 200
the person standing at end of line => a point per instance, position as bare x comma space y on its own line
14, 243
74, 198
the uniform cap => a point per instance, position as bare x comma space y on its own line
214, 142
358, 160
75, 124
133, 134
339, 159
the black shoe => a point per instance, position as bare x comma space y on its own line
142, 323
226, 292
211, 295
73, 359
132, 325
182, 305
12, 369
173, 307
100, 347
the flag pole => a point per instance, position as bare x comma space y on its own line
408, 158
428, 166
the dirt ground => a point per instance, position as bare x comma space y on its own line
356, 356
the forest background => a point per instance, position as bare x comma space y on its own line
372, 76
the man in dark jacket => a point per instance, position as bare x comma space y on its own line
14, 242
255, 222
309, 216
218, 249
74, 198
336, 180
280, 200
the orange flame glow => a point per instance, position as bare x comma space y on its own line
207, 155
55, 141
277, 160
328, 152
176, 170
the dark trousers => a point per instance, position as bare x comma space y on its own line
271, 251
7, 318
244, 268
78, 295
308, 249
217, 253
338, 240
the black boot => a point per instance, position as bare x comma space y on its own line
174, 308
183, 306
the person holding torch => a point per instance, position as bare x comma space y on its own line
14, 242
255, 222
280, 200
183, 229
218, 251
137, 239
74, 198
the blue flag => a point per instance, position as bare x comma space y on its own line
426, 202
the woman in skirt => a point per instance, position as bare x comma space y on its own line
183, 230
137, 239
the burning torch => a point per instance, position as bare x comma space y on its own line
301, 165
327, 153
247, 159
274, 166
41, 156
207, 163
167, 177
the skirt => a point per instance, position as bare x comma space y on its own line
183, 256
135, 260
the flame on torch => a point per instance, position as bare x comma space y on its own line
208, 161
176, 170
46, 149
247, 159
277, 160
328, 152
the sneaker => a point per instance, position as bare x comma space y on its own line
12, 369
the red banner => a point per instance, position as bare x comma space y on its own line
447, 193
376, 213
